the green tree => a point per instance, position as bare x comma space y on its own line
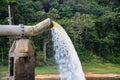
3, 11
53, 14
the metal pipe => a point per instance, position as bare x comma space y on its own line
9, 13
17, 30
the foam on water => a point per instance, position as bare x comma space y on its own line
66, 56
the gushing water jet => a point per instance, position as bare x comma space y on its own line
65, 55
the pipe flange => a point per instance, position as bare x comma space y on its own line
22, 30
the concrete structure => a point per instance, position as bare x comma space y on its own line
21, 60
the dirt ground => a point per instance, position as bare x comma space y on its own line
87, 75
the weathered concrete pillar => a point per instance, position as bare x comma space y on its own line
21, 60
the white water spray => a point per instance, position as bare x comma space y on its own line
66, 56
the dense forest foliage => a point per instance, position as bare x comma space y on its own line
93, 25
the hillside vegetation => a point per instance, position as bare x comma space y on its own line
93, 26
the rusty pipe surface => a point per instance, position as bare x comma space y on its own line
17, 30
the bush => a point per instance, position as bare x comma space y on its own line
85, 56
4, 63
115, 60
39, 60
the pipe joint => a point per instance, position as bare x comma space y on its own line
22, 29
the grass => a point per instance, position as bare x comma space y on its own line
38, 70
46, 70
102, 68
3, 72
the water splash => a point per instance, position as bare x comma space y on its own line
66, 55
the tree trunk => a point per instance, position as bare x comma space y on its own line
84, 40
45, 41
2, 55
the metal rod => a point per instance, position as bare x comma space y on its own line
9, 13
10, 23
